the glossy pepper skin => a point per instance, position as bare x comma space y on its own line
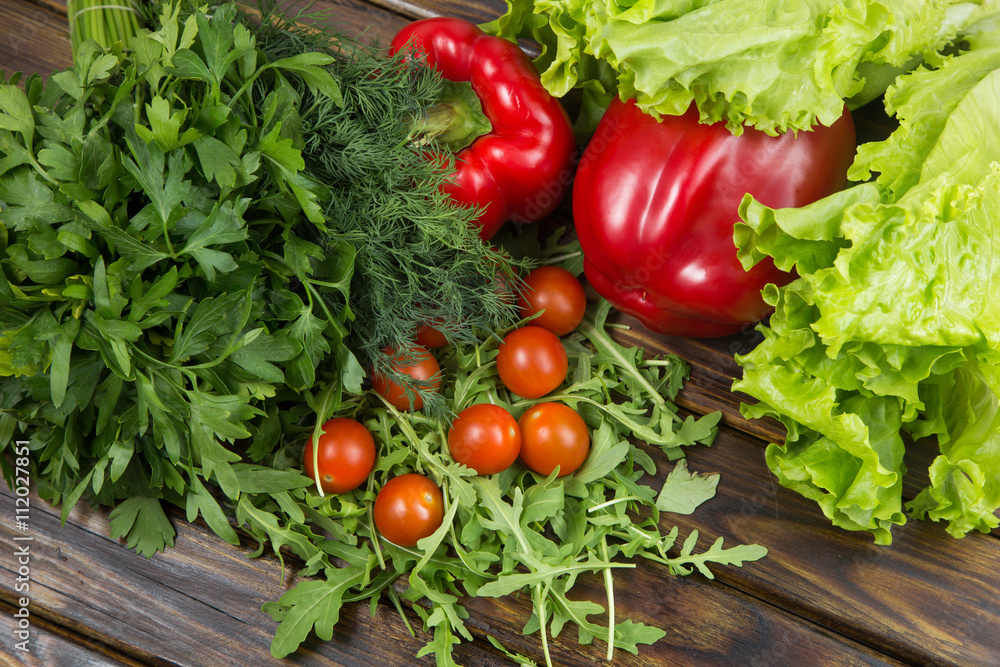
655, 204
521, 169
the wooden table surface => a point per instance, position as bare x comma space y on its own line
821, 597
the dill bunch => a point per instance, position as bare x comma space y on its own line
418, 256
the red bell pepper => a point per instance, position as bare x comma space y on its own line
519, 166
655, 203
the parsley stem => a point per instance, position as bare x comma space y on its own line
329, 316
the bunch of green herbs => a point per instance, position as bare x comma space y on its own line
207, 236
182, 255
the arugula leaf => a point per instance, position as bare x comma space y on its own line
200, 501
311, 605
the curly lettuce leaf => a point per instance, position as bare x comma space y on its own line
892, 330
775, 65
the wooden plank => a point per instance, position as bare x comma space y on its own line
50, 645
928, 598
705, 623
479, 12
194, 605
199, 603
713, 368
35, 38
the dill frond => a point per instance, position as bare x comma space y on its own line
419, 256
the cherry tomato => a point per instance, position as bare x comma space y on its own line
485, 437
559, 294
553, 434
532, 361
408, 508
420, 365
430, 337
346, 455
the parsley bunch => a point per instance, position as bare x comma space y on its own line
195, 230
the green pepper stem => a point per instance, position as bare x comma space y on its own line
456, 120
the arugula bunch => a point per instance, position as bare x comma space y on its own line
182, 256
514, 531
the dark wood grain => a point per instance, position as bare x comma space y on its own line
706, 623
479, 12
927, 598
51, 645
195, 605
35, 39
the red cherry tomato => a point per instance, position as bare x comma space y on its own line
553, 434
408, 508
346, 455
485, 437
559, 294
532, 361
431, 337
420, 365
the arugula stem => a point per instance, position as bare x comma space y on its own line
559, 259
602, 338
615, 501
573, 397
609, 586
407, 428
542, 620
317, 428
402, 613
